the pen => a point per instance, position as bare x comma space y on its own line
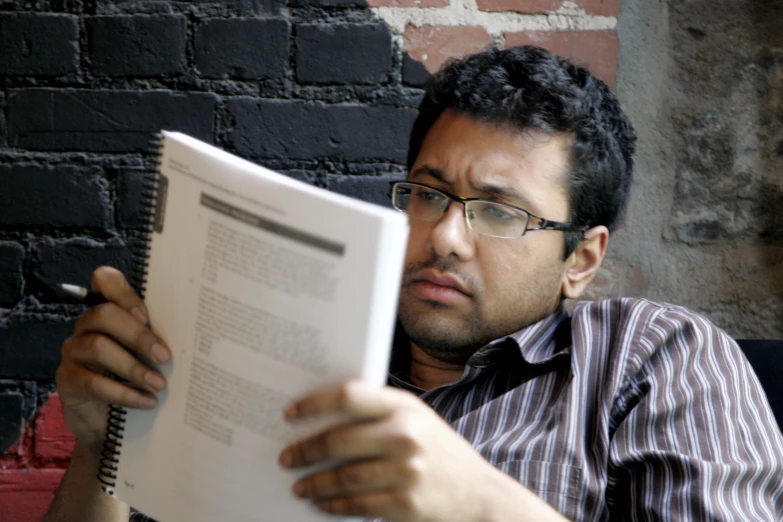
84, 296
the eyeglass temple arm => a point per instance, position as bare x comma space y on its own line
545, 224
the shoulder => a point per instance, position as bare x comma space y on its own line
641, 319
640, 335
672, 371
634, 310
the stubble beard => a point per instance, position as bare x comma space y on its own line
447, 340
454, 337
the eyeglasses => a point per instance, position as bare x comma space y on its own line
490, 218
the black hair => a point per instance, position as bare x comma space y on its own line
529, 88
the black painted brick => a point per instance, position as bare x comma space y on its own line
374, 189
138, 45
308, 130
307, 176
343, 53
38, 44
261, 6
74, 260
104, 121
12, 420
413, 72
3, 127
11, 278
244, 7
242, 48
130, 199
18, 401
30, 345
61, 196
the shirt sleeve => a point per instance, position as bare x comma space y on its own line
694, 437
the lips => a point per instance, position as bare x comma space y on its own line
446, 281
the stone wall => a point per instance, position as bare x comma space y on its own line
703, 82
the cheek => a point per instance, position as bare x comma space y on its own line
509, 268
500, 267
417, 240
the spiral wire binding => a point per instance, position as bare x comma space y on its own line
115, 422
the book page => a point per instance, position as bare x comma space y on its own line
265, 289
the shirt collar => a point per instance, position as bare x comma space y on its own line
548, 338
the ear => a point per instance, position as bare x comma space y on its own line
584, 262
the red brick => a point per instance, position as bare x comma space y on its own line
52, 438
591, 7
433, 45
596, 50
26, 493
408, 3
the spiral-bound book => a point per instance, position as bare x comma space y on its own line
264, 288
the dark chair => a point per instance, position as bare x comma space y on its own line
766, 358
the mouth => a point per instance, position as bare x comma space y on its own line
435, 286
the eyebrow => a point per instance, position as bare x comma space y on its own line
426, 170
492, 190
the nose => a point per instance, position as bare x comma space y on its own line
451, 235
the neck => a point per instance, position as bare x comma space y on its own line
427, 372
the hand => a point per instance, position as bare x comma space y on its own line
104, 341
404, 463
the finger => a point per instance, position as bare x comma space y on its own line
112, 320
355, 478
350, 442
356, 398
100, 351
77, 382
389, 505
115, 288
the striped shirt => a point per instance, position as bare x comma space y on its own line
626, 410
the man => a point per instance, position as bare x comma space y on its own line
501, 406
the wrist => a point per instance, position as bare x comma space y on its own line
85, 458
80, 496
84, 465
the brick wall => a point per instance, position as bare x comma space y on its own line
323, 90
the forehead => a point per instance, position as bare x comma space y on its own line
457, 138
473, 154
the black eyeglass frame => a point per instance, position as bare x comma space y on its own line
544, 224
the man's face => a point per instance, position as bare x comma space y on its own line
461, 289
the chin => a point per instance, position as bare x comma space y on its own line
442, 335
445, 348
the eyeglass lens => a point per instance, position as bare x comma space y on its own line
485, 217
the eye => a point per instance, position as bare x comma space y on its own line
429, 195
498, 213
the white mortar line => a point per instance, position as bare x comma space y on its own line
467, 13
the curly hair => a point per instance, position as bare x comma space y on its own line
529, 88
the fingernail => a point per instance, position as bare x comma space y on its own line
155, 380
139, 314
147, 403
299, 489
159, 353
285, 459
